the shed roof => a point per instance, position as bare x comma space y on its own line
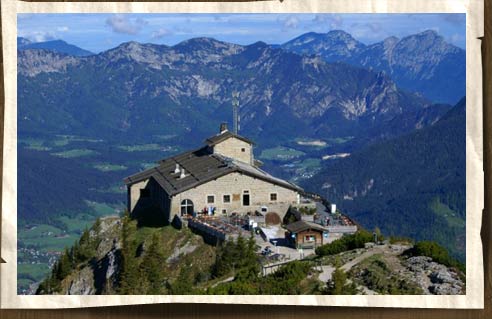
302, 225
201, 166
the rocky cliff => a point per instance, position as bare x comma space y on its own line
374, 269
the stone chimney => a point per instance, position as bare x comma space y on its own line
176, 170
223, 127
183, 174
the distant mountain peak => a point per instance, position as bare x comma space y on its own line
391, 40
57, 45
422, 62
339, 34
428, 33
258, 44
22, 41
335, 45
204, 43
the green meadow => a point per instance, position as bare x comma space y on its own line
75, 153
280, 153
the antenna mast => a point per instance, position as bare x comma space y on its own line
235, 110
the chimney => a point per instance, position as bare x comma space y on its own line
223, 127
183, 174
176, 170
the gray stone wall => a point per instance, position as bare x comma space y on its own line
235, 148
157, 198
235, 185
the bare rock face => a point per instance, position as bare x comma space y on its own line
99, 275
82, 283
109, 227
33, 62
434, 278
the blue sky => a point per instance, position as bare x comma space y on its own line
99, 32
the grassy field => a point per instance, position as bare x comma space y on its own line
339, 140
66, 139
280, 153
147, 165
311, 163
108, 167
35, 144
140, 148
115, 189
443, 210
75, 153
36, 271
166, 137
45, 244
103, 209
311, 142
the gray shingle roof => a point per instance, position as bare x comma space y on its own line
302, 225
224, 136
201, 166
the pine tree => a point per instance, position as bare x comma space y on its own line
338, 284
151, 267
183, 285
129, 275
64, 265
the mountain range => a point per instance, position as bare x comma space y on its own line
59, 46
131, 90
422, 62
412, 185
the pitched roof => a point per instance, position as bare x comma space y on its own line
302, 225
211, 141
201, 166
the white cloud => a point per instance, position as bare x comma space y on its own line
456, 19
455, 39
161, 33
121, 24
374, 27
291, 22
62, 29
38, 36
333, 21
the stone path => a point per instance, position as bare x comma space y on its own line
325, 275
327, 270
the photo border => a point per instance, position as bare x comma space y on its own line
474, 296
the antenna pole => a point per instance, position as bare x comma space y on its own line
235, 111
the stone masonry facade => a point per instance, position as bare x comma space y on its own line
235, 148
235, 185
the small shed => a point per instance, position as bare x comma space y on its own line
304, 234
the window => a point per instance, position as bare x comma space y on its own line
144, 192
186, 207
309, 238
246, 198
243, 150
273, 197
226, 198
210, 199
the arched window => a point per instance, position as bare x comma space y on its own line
186, 207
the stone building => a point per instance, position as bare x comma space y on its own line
221, 177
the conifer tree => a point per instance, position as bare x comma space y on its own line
151, 267
129, 275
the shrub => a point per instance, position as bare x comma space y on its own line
435, 251
338, 284
347, 242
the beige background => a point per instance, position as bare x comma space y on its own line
474, 9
